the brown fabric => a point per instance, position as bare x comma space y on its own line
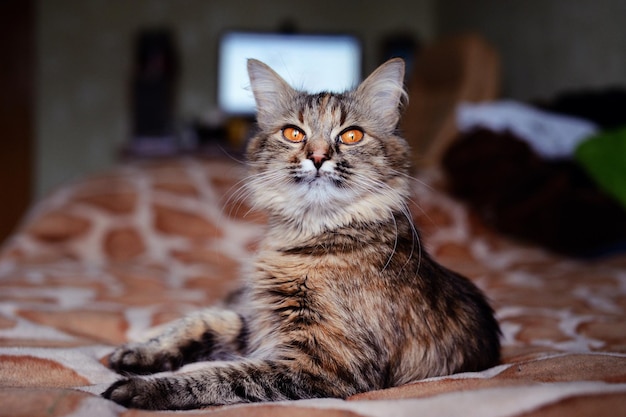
455, 69
102, 273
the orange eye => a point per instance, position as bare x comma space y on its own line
293, 134
351, 136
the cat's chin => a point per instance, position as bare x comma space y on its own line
322, 194
319, 183
325, 179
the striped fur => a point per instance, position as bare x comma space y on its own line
343, 299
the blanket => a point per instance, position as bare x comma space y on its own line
107, 257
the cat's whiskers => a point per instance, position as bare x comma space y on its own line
245, 189
395, 243
410, 178
409, 199
407, 211
369, 185
238, 198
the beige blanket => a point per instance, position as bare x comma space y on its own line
105, 258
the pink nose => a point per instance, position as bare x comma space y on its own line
318, 158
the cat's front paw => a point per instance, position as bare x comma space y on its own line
136, 393
143, 358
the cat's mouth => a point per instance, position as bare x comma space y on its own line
321, 177
316, 179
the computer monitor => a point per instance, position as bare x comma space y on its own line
309, 62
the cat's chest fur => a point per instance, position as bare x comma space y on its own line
290, 286
321, 290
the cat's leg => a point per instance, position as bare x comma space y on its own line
206, 335
225, 383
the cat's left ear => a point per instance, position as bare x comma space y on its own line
384, 91
271, 92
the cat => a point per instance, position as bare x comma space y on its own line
343, 298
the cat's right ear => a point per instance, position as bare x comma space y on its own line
271, 92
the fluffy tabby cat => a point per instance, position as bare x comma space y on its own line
342, 299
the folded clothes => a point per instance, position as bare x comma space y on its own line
550, 135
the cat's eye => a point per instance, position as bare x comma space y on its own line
293, 134
351, 135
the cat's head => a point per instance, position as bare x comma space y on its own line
328, 159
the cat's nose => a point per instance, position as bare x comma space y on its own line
318, 157
318, 151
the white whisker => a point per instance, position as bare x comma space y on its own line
368, 185
245, 189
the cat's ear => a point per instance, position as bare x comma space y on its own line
384, 91
271, 92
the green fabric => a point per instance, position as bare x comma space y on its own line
604, 158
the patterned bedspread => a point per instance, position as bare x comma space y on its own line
107, 257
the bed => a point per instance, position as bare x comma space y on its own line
106, 257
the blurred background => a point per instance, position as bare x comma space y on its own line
69, 68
